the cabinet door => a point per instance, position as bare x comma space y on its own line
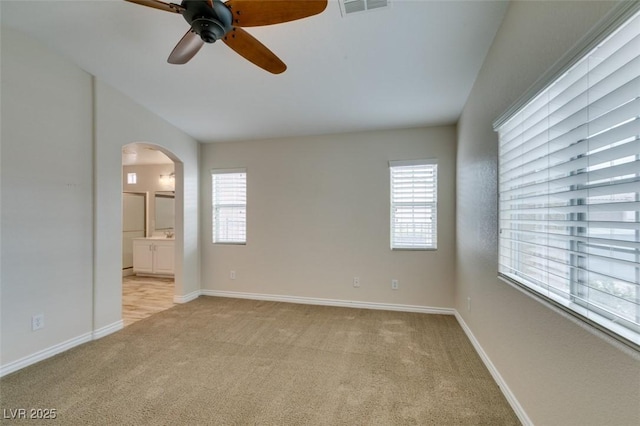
142, 256
163, 257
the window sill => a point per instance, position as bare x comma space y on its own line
596, 324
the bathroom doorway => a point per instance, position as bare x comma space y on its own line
148, 231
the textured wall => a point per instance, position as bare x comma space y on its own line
61, 198
318, 215
46, 198
119, 121
560, 373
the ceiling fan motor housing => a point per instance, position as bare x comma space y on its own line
210, 23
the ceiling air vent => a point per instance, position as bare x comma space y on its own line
352, 6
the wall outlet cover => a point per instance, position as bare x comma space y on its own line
37, 322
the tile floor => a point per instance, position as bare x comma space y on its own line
145, 296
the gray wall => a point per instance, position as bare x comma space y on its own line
559, 372
46, 198
318, 215
62, 138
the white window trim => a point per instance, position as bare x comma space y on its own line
602, 326
220, 172
405, 163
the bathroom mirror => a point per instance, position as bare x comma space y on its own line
164, 210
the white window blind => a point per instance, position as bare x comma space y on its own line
569, 186
229, 199
414, 188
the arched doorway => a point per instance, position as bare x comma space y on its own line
148, 230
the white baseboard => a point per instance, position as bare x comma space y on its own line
511, 398
329, 302
187, 297
118, 325
59, 348
44, 354
108, 329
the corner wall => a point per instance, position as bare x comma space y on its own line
119, 121
46, 216
62, 138
318, 215
560, 373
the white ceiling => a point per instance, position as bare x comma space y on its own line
411, 64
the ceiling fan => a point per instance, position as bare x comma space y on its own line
212, 20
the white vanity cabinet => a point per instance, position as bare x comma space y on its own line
153, 256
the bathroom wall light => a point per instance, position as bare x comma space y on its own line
168, 180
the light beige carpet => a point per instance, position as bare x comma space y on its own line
236, 362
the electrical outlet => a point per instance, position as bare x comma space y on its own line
394, 284
232, 275
37, 322
356, 282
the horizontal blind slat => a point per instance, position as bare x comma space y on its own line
413, 205
229, 199
569, 186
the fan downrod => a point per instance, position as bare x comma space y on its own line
210, 23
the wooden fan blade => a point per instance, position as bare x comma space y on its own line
252, 50
186, 48
157, 4
254, 13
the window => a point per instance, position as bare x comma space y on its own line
569, 187
229, 200
414, 187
